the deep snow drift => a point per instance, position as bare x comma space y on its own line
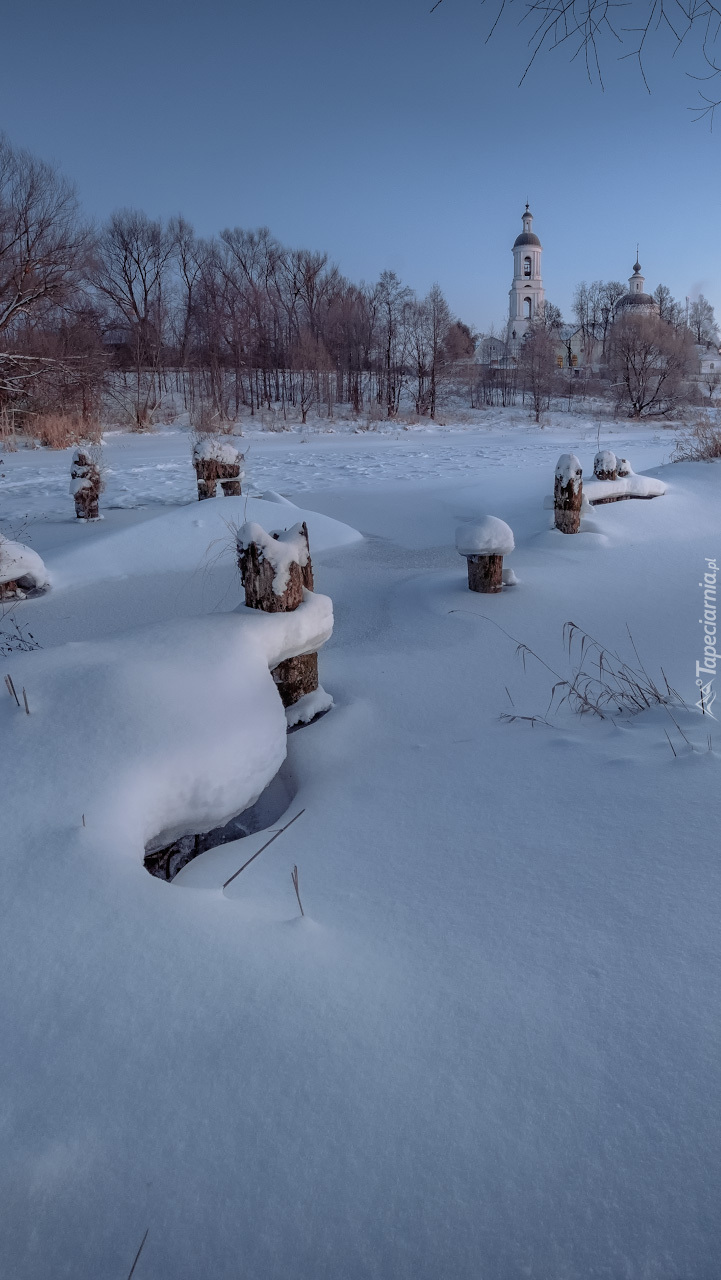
491, 1048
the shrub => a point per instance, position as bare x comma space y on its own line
59, 430
700, 441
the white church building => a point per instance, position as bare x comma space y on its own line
526, 296
526, 299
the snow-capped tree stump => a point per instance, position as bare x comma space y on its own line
21, 570
568, 494
484, 545
605, 466
85, 485
275, 569
216, 461
623, 468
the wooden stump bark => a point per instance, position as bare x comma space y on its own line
568, 494
605, 466
299, 675
86, 497
209, 471
485, 573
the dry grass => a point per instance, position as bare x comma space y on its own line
8, 443
205, 420
700, 441
59, 430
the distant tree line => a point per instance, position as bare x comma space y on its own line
142, 305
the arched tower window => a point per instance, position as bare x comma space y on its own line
526, 308
527, 266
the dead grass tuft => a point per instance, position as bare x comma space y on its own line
700, 441
60, 430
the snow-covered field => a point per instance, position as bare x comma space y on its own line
491, 1048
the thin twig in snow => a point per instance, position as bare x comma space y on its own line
11, 688
140, 1250
262, 848
294, 878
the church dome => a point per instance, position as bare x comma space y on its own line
637, 300
527, 237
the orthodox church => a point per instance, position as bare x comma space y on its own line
526, 296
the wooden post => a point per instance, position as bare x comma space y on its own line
485, 573
230, 480
206, 474
568, 493
605, 465
296, 676
214, 462
85, 485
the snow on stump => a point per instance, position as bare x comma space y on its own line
623, 468
484, 545
605, 466
216, 460
85, 485
276, 570
21, 570
568, 494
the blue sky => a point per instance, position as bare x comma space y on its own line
381, 133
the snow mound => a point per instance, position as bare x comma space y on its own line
604, 461
308, 707
18, 561
171, 728
490, 537
270, 495
281, 550
187, 539
210, 450
631, 486
568, 468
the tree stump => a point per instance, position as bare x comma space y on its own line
605, 465
484, 545
623, 468
216, 461
299, 675
231, 485
85, 485
485, 573
568, 494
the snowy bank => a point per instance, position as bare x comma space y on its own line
189, 538
166, 729
19, 563
629, 486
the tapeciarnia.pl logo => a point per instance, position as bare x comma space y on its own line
706, 670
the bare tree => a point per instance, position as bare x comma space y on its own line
538, 365
130, 273
588, 28
649, 361
702, 322
393, 299
43, 243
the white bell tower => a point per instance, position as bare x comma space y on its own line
527, 296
